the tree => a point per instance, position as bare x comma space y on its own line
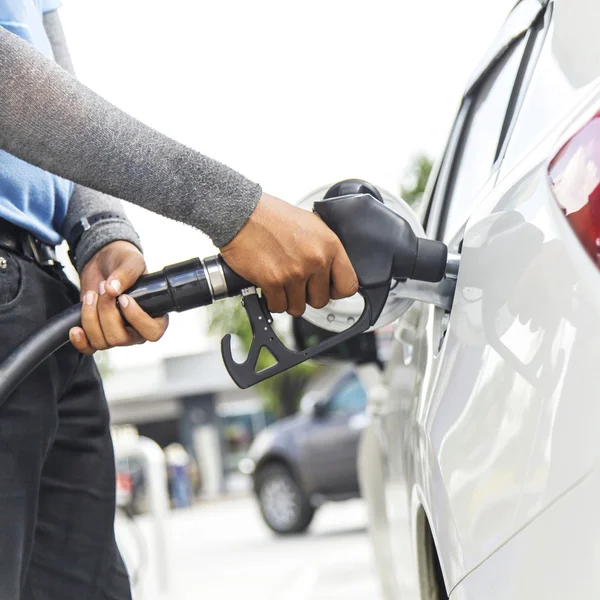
281, 393
415, 179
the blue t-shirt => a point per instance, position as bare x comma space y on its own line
30, 197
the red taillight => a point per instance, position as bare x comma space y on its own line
575, 178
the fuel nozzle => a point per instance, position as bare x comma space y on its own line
380, 243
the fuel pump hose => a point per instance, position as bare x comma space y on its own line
190, 284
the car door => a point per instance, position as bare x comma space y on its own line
430, 450
330, 448
476, 412
548, 338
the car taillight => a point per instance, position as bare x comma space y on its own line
575, 179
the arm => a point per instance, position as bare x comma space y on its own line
51, 120
86, 202
105, 250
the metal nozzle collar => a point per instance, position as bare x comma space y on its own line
216, 278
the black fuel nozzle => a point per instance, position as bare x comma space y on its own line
352, 187
380, 243
189, 284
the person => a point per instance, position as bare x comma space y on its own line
65, 156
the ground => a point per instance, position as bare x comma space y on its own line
222, 550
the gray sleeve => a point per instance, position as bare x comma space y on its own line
53, 121
58, 41
85, 202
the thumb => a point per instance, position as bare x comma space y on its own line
129, 268
343, 277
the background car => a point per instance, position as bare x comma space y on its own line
480, 465
309, 458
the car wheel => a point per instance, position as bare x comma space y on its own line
284, 506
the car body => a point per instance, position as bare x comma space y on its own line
306, 459
480, 464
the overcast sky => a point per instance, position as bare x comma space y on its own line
292, 94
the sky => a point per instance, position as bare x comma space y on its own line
293, 95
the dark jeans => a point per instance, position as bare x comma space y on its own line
57, 472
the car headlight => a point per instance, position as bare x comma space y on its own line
247, 466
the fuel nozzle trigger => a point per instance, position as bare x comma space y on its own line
263, 336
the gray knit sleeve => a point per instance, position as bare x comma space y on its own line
51, 120
58, 41
85, 202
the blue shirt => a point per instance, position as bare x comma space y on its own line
30, 197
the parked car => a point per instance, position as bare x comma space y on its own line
481, 463
309, 458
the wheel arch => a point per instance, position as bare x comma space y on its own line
277, 458
431, 579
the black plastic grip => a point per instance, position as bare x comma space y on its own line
182, 286
235, 283
381, 244
177, 287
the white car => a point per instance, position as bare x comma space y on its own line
480, 465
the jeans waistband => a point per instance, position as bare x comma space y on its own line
25, 244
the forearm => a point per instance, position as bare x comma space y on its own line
51, 120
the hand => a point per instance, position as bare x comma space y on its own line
292, 256
113, 269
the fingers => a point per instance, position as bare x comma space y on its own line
335, 281
318, 289
103, 326
91, 322
80, 341
148, 328
296, 297
111, 323
344, 282
276, 298
130, 268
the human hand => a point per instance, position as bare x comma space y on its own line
113, 269
292, 256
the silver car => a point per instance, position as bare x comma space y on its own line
302, 461
480, 465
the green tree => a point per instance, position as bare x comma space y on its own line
415, 179
281, 393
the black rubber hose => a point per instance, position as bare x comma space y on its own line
177, 287
36, 348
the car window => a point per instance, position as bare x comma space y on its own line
479, 139
350, 398
548, 96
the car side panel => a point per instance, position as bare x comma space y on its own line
554, 558
510, 410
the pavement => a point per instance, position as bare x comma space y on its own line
223, 550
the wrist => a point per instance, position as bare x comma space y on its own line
99, 235
240, 215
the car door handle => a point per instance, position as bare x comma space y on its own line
408, 331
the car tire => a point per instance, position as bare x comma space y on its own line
284, 506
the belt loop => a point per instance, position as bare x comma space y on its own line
42, 253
